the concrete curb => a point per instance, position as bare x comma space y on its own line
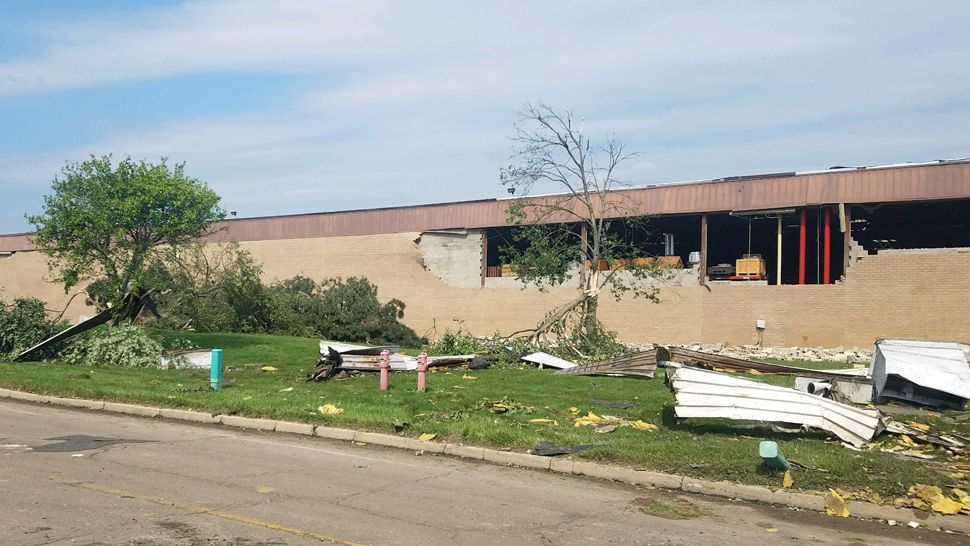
804, 501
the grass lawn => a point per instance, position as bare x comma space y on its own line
456, 409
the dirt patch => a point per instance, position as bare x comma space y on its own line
675, 508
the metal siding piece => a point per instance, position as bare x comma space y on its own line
546, 359
703, 393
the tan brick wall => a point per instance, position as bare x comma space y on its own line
918, 295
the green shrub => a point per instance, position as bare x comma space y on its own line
457, 343
127, 346
23, 324
346, 310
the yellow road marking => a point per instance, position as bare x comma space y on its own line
197, 509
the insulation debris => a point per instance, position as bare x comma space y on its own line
930, 497
641, 364
928, 373
600, 422
835, 505
330, 409
704, 393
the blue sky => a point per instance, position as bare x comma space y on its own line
288, 107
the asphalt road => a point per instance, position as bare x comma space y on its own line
77, 477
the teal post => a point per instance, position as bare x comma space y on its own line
215, 372
772, 457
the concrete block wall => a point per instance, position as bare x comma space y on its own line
909, 295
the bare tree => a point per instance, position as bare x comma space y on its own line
554, 232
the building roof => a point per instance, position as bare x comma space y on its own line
945, 179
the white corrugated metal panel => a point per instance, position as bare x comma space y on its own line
935, 365
546, 359
704, 393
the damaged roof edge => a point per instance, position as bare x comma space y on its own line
939, 180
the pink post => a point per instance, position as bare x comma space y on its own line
422, 371
385, 366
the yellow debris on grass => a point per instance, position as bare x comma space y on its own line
330, 409
835, 505
787, 481
427, 437
267, 369
544, 422
922, 427
934, 497
591, 419
469, 377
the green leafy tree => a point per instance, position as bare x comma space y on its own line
109, 223
574, 228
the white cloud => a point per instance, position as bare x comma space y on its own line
414, 102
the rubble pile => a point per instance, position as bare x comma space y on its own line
854, 355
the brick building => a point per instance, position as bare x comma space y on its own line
850, 255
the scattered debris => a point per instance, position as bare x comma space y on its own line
336, 357
601, 422
641, 364
287, 389
931, 497
549, 449
704, 393
399, 426
268, 369
469, 377
912, 434
546, 359
721, 362
545, 422
504, 406
615, 404
848, 390
427, 437
330, 409
187, 358
787, 480
928, 373
835, 505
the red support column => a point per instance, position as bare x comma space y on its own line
827, 248
801, 247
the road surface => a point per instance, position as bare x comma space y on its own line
78, 477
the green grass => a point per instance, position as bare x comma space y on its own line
455, 409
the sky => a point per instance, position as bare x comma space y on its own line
287, 107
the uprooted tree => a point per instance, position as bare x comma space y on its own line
111, 225
584, 227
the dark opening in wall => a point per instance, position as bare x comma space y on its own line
934, 224
729, 239
662, 235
